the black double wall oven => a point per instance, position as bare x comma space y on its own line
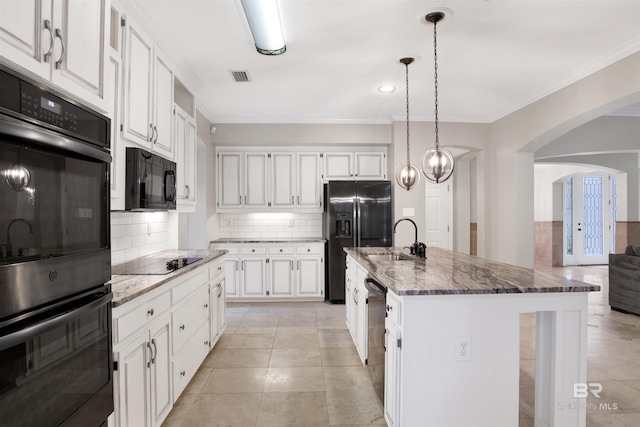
56, 360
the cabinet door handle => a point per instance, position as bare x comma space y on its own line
291, 264
236, 265
182, 327
245, 199
206, 306
355, 296
292, 200
183, 373
150, 356
298, 199
62, 54
206, 343
219, 290
155, 351
150, 312
48, 27
151, 136
155, 130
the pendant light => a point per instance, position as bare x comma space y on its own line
407, 176
17, 176
437, 164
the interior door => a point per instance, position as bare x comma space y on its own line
587, 219
439, 215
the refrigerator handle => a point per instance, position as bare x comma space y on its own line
355, 229
359, 218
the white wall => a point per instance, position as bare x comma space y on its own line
545, 176
270, 225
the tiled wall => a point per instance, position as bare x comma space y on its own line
270, 225
135, 234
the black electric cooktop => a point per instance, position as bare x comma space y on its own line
152, 265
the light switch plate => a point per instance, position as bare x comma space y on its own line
408, 212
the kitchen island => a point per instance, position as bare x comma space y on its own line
452, 338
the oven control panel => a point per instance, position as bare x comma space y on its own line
48, 109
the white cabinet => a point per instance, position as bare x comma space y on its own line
160, 340
309, 185
230, 184
217, 302
143, 378
268, 181
148, 93
356, 306
356, 165
185, 140
253, 272
283, 179
392, 361
62, 42
256, 191
274, 271
281, 276
113, 80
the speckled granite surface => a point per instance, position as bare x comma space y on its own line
445, 272
270, 240
126, 287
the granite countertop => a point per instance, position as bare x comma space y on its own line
445, 272
270, 240
127, 287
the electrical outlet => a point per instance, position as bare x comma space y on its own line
463, 348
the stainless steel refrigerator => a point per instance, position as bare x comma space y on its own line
357, 214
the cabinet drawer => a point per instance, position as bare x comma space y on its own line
187, 362
216, 269
258, 250
393, 309
310, 249
189, 316
188, 285
281, 250
139, 317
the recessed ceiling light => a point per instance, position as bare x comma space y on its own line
386, 88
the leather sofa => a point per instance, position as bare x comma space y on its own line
624, 280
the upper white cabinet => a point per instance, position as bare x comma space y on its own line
256, 191
185, 140
276, 180
309, 185
354, 165
283, 179
148, 92
63, 42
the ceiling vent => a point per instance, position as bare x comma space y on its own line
241, 76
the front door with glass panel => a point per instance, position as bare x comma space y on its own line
587, 219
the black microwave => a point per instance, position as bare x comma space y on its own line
150, 181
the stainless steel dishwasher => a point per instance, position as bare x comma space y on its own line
376, 334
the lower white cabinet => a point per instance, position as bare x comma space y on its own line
274, 270
356, 295
160, 340
143, 378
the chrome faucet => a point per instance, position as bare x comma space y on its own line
417, 248
8, 245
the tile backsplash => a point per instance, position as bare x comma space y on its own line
135, 234
270, 225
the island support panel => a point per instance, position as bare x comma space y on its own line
434, 388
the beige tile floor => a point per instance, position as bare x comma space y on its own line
294, 364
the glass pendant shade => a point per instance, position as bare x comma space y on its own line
437, 165
17, 176
407, 176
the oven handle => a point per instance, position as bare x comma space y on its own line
22, 335
21, 129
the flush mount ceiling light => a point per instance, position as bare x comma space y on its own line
264, 20
387, 89
407, 176
437, 164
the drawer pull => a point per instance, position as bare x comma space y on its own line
183, 373
182, 327
280, 250
308, 250
253, 250
150, 312
389, 308
219, 268
206, 306
206, 343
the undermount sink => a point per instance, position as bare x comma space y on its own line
389, 257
